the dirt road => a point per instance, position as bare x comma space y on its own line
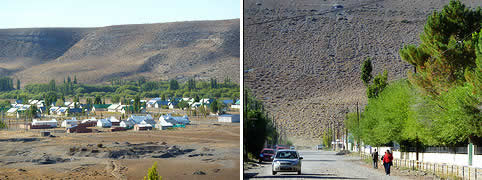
322, 165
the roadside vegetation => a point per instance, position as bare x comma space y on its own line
439, 104
258, 127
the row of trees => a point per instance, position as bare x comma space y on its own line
440, 102
258, 127
128, 89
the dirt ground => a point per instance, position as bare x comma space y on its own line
204, 150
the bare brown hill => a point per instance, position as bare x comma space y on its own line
181, 50
302, 58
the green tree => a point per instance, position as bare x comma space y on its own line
18, 84
446, 49
214, 106
115, 99
173, 84
52, 85
98, 100
379, 83
152, 174
366, 71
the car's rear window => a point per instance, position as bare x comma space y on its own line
287, 155
268, 151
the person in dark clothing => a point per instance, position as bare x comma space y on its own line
387, 161
375, 159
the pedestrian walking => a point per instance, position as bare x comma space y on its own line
387, 161
375, 159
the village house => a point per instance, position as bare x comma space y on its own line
100, 107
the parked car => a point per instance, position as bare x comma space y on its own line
266, 154
279, 147
319, 147
286, 161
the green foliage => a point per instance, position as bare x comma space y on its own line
152, 174
6, 84
327, 137
98, 100
257, 125
173, 84
446, 49
379, 83
214, 106
455, 116
366, 71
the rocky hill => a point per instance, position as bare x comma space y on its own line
181, 50
302, 58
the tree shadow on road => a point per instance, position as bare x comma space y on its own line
306, 176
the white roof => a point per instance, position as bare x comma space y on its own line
113, 106
144, 125
12, 110
113, 119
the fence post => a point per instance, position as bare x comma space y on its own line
463, 172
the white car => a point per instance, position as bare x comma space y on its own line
286, 160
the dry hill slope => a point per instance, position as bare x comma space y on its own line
302, 58
181, 50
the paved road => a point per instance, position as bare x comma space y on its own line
322, 165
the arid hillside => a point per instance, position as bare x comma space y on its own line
302, 58
181, 50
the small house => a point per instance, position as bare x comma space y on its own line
229, 118
142, 127
100, 107
163, 125
128, 124
69, 123
174, 119
114, 121
113, 108
104, 123
43, 124
236, 105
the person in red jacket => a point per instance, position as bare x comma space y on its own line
387, 161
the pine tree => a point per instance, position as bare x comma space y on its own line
446, 49
152, 174
18, 84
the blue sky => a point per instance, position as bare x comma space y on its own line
97, 13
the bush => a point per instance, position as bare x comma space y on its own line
152, 173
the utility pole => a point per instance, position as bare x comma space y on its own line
358, 123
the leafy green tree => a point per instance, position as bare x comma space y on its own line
214, 106
379, 83
115, 99
366, 71
258, 127
446, 49
183, 104
152, 174
18, 84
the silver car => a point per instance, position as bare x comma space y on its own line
286, 160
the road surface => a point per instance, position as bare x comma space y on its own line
322, 165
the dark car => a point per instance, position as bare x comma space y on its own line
266, 154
